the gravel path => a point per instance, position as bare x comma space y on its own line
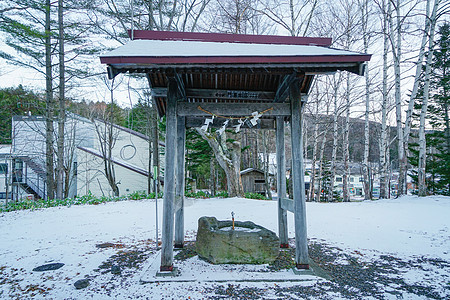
354, 277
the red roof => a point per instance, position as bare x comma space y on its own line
228, 38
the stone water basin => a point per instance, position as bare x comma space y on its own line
248, 243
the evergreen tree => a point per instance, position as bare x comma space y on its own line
439, 108
16, 101
437, 140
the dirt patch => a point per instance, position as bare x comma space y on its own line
110, 245
125, 260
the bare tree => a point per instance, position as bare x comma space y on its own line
422, 141
49, 103
107, 137
365, 14
294, 16
384, 150
229, 159
336, 112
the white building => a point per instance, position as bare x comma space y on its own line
83, 158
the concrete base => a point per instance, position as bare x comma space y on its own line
178, 246
313, 269
197, 270
175, 272
303, 271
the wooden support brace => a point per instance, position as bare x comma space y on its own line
288, 204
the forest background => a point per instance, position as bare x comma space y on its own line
394, 119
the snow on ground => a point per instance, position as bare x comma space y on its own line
406, 229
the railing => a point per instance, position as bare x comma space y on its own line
36, 187
31, 176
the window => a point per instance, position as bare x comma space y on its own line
361, 179
3, 168
338, 179
352, 179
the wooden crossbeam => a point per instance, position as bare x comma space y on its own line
283, 88
232, 109
180, 84
219, 94
218, 122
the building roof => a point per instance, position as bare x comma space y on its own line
117, 161
250, 170
181, 52
211, 67
159, 47
5, 149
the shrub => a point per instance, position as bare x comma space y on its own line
85, 199
222, 194
198, 194
255, 196
138, 195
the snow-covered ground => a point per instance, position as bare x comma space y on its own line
409, 229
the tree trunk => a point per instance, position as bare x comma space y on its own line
319, 175
418, 75
367, 181
266, 165
62, 109
335, 143
345, 189
312, 175
229, 160
396, 51
212, 179
426, 89
49, 104
384, 191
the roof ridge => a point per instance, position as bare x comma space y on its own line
228, 38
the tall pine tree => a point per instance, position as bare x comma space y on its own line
437, 140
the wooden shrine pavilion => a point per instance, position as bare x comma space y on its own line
194, 75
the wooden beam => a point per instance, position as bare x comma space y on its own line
298, 178
283, 88
169, 178
219, 94
281, 183
275, 69
287, 204
179, 197
180, 85
218, 122
232, 109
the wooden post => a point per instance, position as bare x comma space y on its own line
281, 183
169, 178
298, 180
179, 197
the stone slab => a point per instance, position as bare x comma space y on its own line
197, 270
